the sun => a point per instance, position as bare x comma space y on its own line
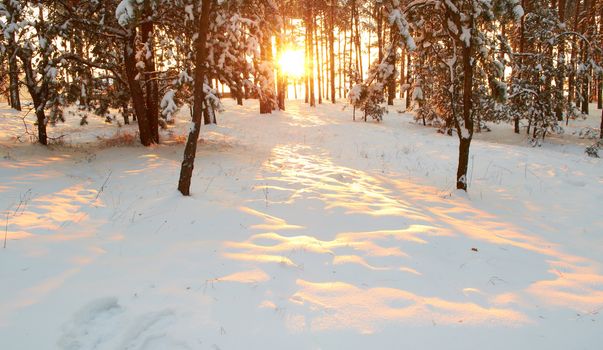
292, 63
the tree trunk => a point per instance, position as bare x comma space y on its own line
332, 48
207, 113
391, 86
239, 96
306, 66
124, 104
521, 50
403, 73
600, 94
188, 163
461, 173
12, 19
84, 75
151, 84
466, 135
339, 64
351, 82
281, 89
368, 47
13, 87
267, 83
560, 76
408, 77
136, 93
310, 53
359, 67
281, 79
318, 62
600, 84
585, 96
572, 76
325, 59
41, 120
379, 18
587, 11
38, 95
572, 79
343, 71
125, 113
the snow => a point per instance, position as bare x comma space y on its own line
451, 6
184, 77
51, 72
355, 93
168, 104
465, 133
397, 18
466, 36
518, 12
417, 93
305, 231
452, 27
124, 12
188, 9
43, 42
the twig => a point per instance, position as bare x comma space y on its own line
56, 137
23, 200
160, 226
209, 183
6, 230
27, 132
102, 188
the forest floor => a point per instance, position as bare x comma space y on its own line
305, 230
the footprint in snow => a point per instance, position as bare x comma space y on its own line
577, 183
100, 325
92, 326
148, 332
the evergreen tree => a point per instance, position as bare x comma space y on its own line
459, 36
31, 32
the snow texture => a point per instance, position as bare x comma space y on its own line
305, 230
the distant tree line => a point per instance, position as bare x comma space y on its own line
457, 63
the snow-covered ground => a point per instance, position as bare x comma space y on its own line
305, 231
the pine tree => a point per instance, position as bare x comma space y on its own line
200, 13
369, 96
459, 35
37, 51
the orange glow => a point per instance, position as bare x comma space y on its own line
292, 63
53, 212
346, 306
253, 276
270, 222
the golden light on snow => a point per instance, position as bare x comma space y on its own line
252, 276
413, 259
346, 306
269, 222
428, 220
339, 187
54, 213
292, 63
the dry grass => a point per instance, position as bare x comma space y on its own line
118, 140
173, 139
